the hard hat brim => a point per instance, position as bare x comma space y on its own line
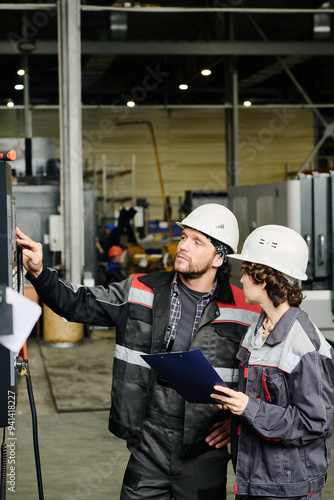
239, 256
184, 226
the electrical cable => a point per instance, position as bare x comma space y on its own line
35, 432
3, 467
26, 372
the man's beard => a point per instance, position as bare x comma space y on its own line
192, 272
192, 275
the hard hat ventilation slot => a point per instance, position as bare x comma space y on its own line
262, 241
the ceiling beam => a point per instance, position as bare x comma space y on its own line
136, 47
162, 10
271, 105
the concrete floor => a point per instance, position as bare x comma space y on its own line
80, 458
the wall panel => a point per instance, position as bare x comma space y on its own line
191, 144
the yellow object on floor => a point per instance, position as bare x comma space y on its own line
57, 330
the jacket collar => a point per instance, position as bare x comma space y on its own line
282, 327
223, 291
156, 279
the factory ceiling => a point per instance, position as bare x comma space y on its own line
283, 52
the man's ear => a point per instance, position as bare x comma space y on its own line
217, 261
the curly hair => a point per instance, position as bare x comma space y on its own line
278, 288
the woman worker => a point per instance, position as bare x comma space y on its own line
282, 429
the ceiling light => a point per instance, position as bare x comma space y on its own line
183, 86
26, 45
20, 72
131, 104
10, 103
247, 104
322, 29
19, 86
206, 72
322, 23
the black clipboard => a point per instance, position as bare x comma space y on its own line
188, 372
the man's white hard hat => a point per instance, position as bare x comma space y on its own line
278, 247
216, 221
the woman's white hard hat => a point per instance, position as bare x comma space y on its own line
216, 221
278, 247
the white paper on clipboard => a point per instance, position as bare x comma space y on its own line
25, 314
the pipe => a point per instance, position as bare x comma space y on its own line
163, 10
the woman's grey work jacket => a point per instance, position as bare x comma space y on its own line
282, 445
140, 308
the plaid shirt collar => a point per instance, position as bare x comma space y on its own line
176, 289
175, 314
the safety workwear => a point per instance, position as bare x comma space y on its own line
280, 444
216, 221
278, 247
114, 250
140, 308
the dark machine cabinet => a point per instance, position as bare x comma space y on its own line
317, 199
306, 226
321, 230
331, 248
306, 205
194, 199
8, 278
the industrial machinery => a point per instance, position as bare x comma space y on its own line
37, 214
8, 277
12, 363
306, 205
194, 199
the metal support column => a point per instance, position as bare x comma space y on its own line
71, 137
232, 116
104, 187
232, 125
27, 119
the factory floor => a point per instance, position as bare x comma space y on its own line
80, 458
